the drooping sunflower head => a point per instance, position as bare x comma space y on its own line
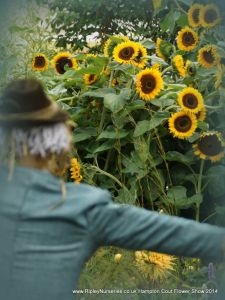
39, 62
90, 78
187, 39
208, 56
62, 60
140, 60
210, 146
149, 83
112, 42
193, 15
154, 266
182, 124
209, 16
178, 62
201, 115
158, 50
191, 100
125, 52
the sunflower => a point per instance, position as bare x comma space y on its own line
190, 68
149, 83
155, 266
140, 60
187, 39
210, 146
158, 49
75, 170
208, 56
90, 78
209, 16
125, 52
179, 64
182, 124
193, 15
39, 62
61, 60
112, 42
190, 100
201, 115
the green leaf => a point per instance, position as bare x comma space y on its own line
116, 102
168, 22
177, 195
177, 156
105, 146
112, 134
84, 134
145, 125
148, 44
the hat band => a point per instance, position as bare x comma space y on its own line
41, 114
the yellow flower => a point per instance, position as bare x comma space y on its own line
115, 82
125, 52
61, 60
140, 60
210, 146
117, 257
209, 16
149, 83
154, 266
182, 124
156, 4
90, 78
112, 42
208, 56
193, 15
158, 49
179, 64
201, 115
39, 62
191, 100
187, 39
75, 171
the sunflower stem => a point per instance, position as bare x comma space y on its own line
180, 8
199, 188
104, 109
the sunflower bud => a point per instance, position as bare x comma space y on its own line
117, 257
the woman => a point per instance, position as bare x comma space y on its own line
48, 230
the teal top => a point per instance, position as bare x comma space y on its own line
45, 240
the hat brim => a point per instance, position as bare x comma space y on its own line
48, 115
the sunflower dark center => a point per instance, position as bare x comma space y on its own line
61, 63
39, 62
92, 77
183, 124
188, 39
210, 145
208, 56
210, 16
148, 83
126, 53
190, 101
195, 15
